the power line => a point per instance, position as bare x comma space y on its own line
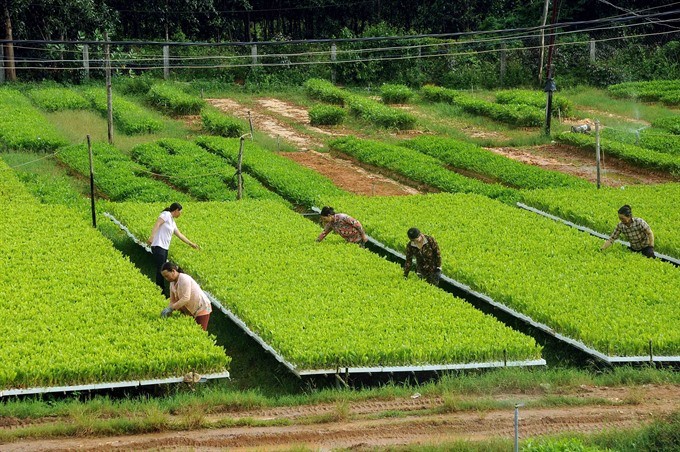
634, 13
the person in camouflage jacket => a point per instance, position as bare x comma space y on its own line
428, 257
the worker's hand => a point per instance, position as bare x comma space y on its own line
166, 312
149, 240
195, 246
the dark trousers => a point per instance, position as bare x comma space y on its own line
160, 257
203, 321
647, 251
432, 277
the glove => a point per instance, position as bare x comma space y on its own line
166, 312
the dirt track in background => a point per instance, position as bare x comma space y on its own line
578, 162
414, 420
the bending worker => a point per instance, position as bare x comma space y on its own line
186, 296
428, 258
161, 234
636, 230
344, 225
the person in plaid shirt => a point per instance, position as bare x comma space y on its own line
428, 258
347, 227
636, 230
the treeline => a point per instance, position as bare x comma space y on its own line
258, 20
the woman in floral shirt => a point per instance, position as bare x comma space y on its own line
344, 225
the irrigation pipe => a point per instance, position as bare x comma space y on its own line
344, 369
528, 320
663, 257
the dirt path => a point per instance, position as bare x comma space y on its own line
575, 161
349, 176
399, 422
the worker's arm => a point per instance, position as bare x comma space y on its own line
409, 260
185, 240
437, 253
326, 230
612, 238
183, 291
158, 224
650, 236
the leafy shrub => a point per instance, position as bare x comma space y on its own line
535, 99
326, 115
654, 139
634, 154
325, 91
290, 180
471, 157
518, 115
405, 322
128, 117
417, 167
117, 176
23, 127
56, 99
379, 114
204, 176
670, 123
171, 99
218, 123
138, 85
667, 91
395, 94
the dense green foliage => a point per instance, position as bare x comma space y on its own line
654, 139
218, 123
317, 314
417, 167
659, 205
325, 91
58, 98
171, 99
11, 190
631, 153
614, 302
666, 91
560, 104
515, 114
77, 331
292, 181
116, 175
670, 123
128, 117
23, 127
204, 176
395, 94
470, 157
326, 115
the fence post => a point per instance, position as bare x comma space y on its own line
109, 98
86, 61
166, 62
597, 150
504, 62
334, 56
253, 53
592, 50
2, 64
94, 214
239, 175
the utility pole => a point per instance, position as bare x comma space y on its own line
11, 68
550, 82
542, 34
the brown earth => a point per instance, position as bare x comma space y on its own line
578, 162
413, 420
350, 176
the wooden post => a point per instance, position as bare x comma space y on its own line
166, 62
504, 62
109, 98
592, 50
2, 64
86, 61
542, 40
11, 69
94, 214
250, 122
253, 54
597, 150
334, 55
239, 176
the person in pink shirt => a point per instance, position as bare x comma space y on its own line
347, 227
186, 295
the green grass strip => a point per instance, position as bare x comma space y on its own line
129, 118
58, 99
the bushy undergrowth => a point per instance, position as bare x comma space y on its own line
326, 115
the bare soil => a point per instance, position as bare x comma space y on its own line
349, 176
599, 114
578, 162
414, 420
